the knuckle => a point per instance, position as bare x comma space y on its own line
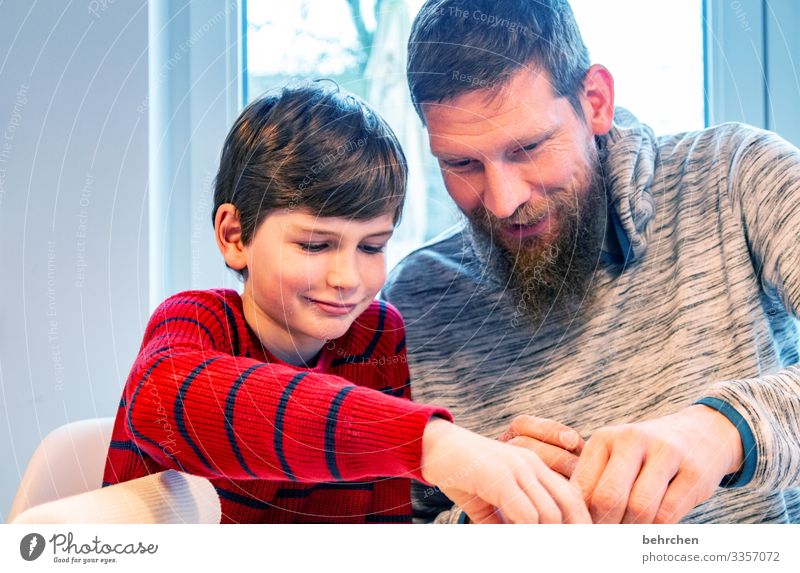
667, 513
639, 506
605, 501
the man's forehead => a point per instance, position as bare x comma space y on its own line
522, 107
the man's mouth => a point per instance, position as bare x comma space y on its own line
520, 232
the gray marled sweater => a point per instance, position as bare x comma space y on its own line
695, 298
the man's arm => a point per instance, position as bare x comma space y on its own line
748, 429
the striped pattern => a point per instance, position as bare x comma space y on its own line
281, 444
696, 297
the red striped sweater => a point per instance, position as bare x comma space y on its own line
334, 443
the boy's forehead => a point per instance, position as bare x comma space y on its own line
304, 220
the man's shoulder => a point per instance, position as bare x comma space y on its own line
442, 256
723, 139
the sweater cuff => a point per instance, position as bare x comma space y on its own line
744, 475
383, 435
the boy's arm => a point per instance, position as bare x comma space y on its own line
191, 404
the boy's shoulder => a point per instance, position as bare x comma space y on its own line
216, 312
215, 300
380, 315
381, 322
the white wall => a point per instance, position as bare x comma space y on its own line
73, 215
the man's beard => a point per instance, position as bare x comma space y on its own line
551, 278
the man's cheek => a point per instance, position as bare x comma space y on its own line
463, 193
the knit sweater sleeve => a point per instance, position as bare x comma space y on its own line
765, 181
193, 404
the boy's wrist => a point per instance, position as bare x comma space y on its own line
435, 430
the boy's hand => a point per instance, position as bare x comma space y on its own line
557, 445
495, 482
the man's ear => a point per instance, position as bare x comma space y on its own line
228, 232
598, 99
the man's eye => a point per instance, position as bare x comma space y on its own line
313, 247
373, 249
527, 149
456, 164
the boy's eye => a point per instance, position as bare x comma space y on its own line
313, 247
456, 163
373, 249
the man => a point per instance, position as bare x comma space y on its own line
639, 290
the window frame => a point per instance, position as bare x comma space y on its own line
196, 93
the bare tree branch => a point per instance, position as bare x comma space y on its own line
364, 35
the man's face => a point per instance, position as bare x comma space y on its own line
524, 169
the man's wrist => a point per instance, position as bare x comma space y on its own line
743, 466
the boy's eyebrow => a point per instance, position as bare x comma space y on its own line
318, 231
387, 233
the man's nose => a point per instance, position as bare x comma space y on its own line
504, 190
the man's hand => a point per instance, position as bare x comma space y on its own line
557, 445
658, 470
495, 482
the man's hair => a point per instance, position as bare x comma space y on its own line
314, 147
458, 46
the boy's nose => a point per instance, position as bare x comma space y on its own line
343, 272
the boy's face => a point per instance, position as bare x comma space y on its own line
309, 278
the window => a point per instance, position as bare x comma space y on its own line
198, 52
361, 45
654, 50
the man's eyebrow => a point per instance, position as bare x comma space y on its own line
523, 141
537, 138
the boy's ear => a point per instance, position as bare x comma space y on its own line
228, 232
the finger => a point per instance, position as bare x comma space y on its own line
508, 435
649, 490
610, 497
504, 503
567, 497
546, 506
515, 504
548, 431
478, 510
590, 466
681, 496
557, 459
